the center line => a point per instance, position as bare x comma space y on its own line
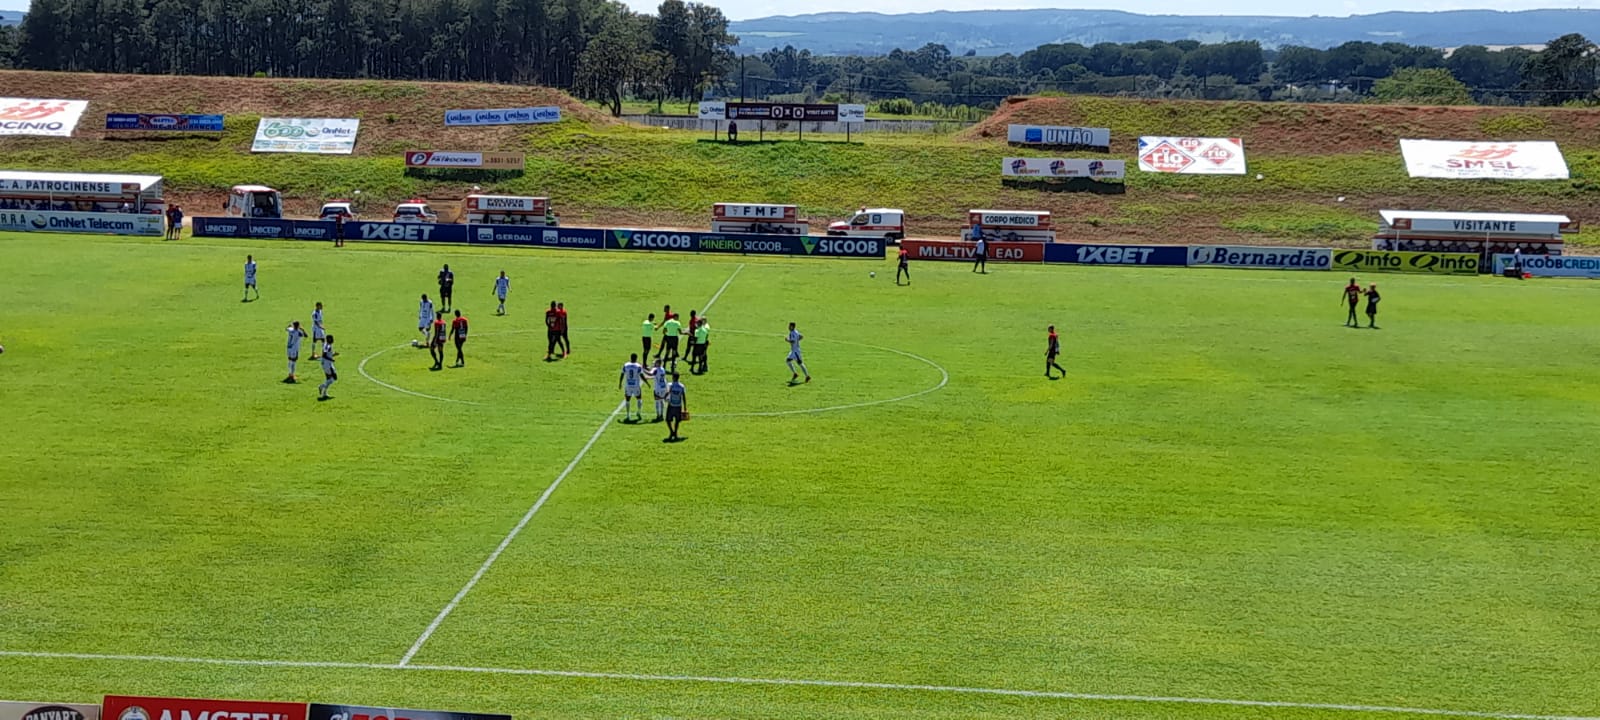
528, 516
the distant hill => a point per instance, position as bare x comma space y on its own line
8, 17
993, 32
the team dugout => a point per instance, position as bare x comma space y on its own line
80, 192
1468, 232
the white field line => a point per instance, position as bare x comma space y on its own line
845, 684
528, 516
362, 368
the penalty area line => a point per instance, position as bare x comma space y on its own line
792, 682
527, 517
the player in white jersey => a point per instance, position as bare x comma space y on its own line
502, 285
794, 356
250, 278
318, 333
659, 374
328, 373
296, 334
632, 384
424, 317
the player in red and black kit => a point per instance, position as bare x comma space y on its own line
436, 345
1352, 295
905, 267
1051, 351
552, 331
458, 332
566, 344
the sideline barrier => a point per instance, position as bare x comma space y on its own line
109, 223
963, 251
1268, 258
321, 711
525, 236
1084, 254
1551, 265
127, 707
678, 241
1407, 262
260, 228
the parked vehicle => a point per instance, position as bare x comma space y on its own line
415, 211
754, 218
253, 201
1009, 226
337, 209
887, 223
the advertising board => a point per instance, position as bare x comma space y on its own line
964, 251
783, 111
1432, 263
1482, 224
320, 136
502, 116
81, 222
272, 229
1249, 256
710, 110
667, 240
47, 711
1063, 168
1059, 136
571, 238
1192, 155
1452, 160
1085, 254
406, 232
163, 123
852, 113
1578, 266
319, 711
124, 707
27, 116
484, 160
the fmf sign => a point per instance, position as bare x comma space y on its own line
967, 251
124, 707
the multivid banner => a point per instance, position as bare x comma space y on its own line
503, 116
1452, 160
47, 711
1577, 266
1058, 136
1192, 155
27, 116
1269, 258
961, 251
164, 123
1085, 254
1432, 263
320, 136
1044, 168
808, 245
320, 711
123, 707
82, 222
483, 160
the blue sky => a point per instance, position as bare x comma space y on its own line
746, 9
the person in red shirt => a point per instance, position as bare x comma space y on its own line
1051, 351
552, 331
458, 332
1352, 295
566, 344
436, 347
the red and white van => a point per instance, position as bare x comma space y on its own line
886, 223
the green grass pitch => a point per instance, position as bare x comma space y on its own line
1230, 497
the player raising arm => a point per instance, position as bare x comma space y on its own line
1372, 306
632, 383
794, 356
296, 334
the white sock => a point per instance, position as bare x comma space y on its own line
790, 363
804, 370
291, 367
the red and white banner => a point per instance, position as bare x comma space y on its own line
1192, 155
747, 211
486, 160
123, 707
1453, 160
965, 251
26, 116
1064, 168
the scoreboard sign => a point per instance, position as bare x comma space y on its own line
783, 111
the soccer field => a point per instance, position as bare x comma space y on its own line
1231, 501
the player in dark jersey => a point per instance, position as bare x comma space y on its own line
552, 331
566, 344
458, 332
1352, 295
1372, 306
436, 345
1051, 351
904, 267
447, 286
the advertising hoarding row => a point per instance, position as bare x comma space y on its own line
124, 707
164, 123
1044, 168
1432, 263
1059, 136
479, 160
1577, 266
98, 223
503, 116
1192, 155
1454, 160
792, 112
320, 136
51, 118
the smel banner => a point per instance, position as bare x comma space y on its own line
1192, 155
1452, 160
1044, 168
27, 116
1432, 263
320, 136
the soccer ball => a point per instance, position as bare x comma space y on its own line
873, 273
416, 343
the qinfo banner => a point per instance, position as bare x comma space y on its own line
319, 136
1268, 258
47, 711
53, 118
1059, 136
164, 123
1430, 263
1452, 160
1575, 266
1192, 155
961, 251
361, 712
1085, 254
76, 222
483, 160
124, 707
808, 245
1046, 168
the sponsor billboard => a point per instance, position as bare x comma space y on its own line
852, 113
1063, 168
26, 116
1249, 256
321, 136
1059, 136
319, 711
1168, 255
713, 110
484, 160
123, 707
406, 232
1453, 160
47, 711
164, 123
1481, 226
503, 116
1551, 265
964, 251
1433, 263
1192, 155
274, 229
572, 238
628, 239
82, 222
782, 111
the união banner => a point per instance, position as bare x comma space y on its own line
1059, 136
1452, 160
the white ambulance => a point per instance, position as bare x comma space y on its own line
510, 210
253, 201
1009, 226
754, 218
886, 223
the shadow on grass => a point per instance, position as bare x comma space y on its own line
1065, 185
